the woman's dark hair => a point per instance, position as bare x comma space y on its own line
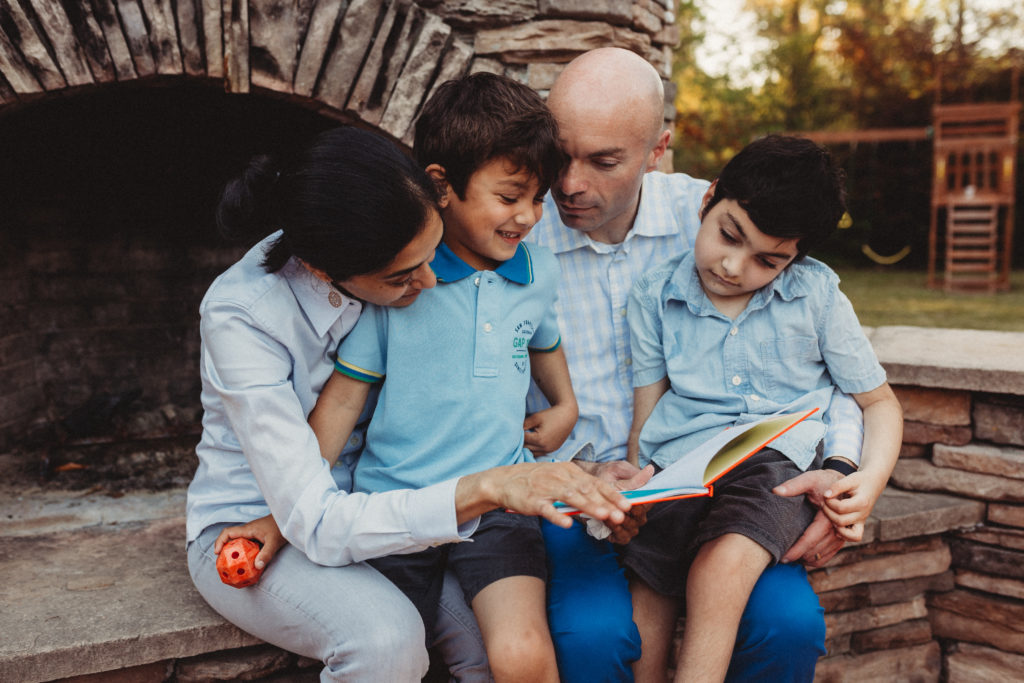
347, 203
789, 186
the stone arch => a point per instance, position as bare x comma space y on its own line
371, 60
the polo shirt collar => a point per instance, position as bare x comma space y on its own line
315, 296
450, 268
684, 285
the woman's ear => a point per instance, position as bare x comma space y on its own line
440, 178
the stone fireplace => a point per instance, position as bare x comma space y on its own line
120, 120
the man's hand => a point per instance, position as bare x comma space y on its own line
532, 489
623, 475
820, 541
263, 530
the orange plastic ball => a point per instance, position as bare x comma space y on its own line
236, 563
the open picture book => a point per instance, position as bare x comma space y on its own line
695, 473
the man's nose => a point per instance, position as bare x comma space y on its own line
572, 180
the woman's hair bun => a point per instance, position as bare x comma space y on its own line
246, 207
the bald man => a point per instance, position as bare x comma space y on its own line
608, 219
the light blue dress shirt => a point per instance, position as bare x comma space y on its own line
592, 300
455, 368
797, 339
268, 344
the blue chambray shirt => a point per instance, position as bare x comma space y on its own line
268, 344
593, 294
455, 368
797, 339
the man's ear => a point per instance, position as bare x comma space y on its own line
707, 198
658, 151
440, 178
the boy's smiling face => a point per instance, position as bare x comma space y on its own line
502, 204
734, 259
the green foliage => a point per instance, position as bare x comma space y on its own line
849, 65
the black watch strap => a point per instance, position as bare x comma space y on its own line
841, 466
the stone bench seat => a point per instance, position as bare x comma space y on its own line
116, 594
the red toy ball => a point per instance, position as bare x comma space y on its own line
235, 563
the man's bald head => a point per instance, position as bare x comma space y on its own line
614, 81
609, 104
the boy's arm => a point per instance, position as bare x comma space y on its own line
336, 413
850, 500
547, 430
644, 400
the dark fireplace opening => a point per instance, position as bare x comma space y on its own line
106, 248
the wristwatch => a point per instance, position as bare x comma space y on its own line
841, 466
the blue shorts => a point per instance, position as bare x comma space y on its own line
505, 544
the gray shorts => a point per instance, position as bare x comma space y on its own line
743, 503
505, 544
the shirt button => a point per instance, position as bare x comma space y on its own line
629, 361
736, 381
733, 331
488, 327
755, 397
476, 281
623, 312
354, 441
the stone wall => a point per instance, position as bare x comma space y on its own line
936, 590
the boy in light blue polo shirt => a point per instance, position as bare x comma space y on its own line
740, 327
455, 366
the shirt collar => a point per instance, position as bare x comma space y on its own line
650, 221
322, 303
449, 268
684, 285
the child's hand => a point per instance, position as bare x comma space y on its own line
547, 430
849, 501
263, 530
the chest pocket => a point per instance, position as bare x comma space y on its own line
791, 367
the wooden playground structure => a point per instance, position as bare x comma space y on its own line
973, 188
970, 235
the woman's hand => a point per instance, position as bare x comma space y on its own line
263, 530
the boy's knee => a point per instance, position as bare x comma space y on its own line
521, 657
601, 643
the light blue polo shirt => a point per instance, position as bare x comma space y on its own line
455, 368
797, 339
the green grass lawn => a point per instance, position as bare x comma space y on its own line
886, 296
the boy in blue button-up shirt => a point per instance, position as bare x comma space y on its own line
455, 366
740, 327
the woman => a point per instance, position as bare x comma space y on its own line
357, 222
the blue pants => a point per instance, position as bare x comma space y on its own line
781, 634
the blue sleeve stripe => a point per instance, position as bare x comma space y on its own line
548, 349
357, 373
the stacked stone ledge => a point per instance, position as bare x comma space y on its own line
936, 590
